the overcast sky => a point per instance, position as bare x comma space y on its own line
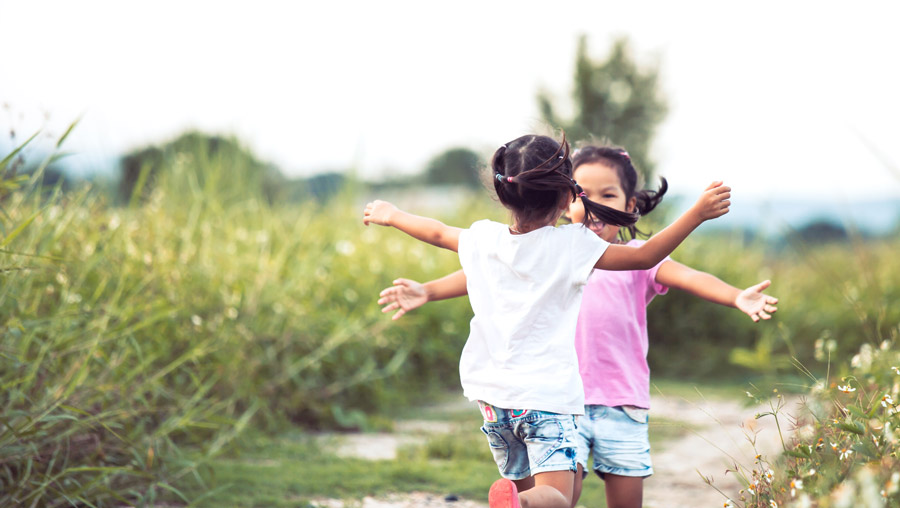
775, 98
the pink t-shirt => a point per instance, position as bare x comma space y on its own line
611, 336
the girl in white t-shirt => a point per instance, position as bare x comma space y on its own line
611, 334
525, 282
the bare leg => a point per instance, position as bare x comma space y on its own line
551, 490
579, 478
526, 484
624, 491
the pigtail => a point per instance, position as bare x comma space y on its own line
645, 201
648, 199
595, 212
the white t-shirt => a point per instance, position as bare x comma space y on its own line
526, 293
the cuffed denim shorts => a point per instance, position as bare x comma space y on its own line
617, 439
526, 442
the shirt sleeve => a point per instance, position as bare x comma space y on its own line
656, 287
587, 248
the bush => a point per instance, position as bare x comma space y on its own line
129, 333
845, 452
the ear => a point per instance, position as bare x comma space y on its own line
629, 207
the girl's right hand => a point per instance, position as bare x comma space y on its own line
406, 295
714, 202
378, 212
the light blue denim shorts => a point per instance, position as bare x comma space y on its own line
617, 439
526, 442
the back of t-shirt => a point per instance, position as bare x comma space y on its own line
525, 291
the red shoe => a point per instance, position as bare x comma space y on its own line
504, 494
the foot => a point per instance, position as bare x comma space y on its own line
504, 494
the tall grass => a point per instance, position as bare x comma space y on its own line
129, 333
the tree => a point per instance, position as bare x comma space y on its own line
614, 101
241, 170
460, 166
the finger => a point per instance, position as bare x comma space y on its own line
763, 315
402, 282
754, 317
386, 299
772, 300
725, 204
390, 307
386, 291
770, 308
398, 315
760, 287
714, 184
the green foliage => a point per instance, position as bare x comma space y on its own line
845, 451
614, 100
820, 298
236, 164
131, 333
456, 166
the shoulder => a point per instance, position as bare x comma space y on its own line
576, 230
481, 231
486, 227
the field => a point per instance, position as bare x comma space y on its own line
144, 340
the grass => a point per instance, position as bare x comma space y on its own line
296, 468
139, 341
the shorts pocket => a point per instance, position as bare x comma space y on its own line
637, 414
542, 438
499, 447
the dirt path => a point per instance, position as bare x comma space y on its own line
720, 433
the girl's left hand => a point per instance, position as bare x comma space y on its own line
756, 304
406, 295
378, 212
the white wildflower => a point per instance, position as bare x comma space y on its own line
796, 484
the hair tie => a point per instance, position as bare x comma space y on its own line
509, 179
499, 177
625, 154
582, 195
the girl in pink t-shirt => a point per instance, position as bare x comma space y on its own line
611, 336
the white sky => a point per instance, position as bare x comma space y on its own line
772, 97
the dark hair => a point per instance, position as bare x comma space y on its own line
533, 174
618, 158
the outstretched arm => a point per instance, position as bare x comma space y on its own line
425, 229
714, 202
751, 301
407, 295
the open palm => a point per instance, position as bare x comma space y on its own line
756, 304
405, 295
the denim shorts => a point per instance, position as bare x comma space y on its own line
617, 439
526, 442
